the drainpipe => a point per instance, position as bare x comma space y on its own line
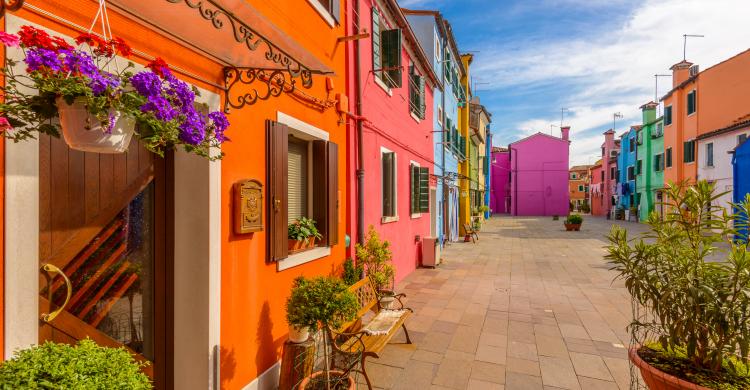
446, 223
358, 112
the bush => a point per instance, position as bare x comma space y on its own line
574, 219
83, 366
375, 255
320, 301
352, 274
692, 302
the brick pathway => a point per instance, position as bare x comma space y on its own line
529, 306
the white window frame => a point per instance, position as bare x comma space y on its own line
394, 218
307, 132
440, 115
323, 12
416, 164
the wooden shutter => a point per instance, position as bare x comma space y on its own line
391, 41
325, 190
277, 143
422, 105
377, 59
424, 190
387, 175
413, 189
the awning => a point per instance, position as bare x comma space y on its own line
230, 31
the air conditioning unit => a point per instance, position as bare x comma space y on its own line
430, 252
613, 153
694, 70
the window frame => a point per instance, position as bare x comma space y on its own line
694, 94
573, 176
325, 13
740, 139
668, 155
580, 188
668, 115
709, 163
631, 173
691, 155
389, 218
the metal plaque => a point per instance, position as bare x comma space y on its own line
248, 206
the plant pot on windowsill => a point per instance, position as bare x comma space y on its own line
659, 380
337, 380
296, 246
83, 131
572, 226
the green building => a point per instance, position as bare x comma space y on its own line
650, 162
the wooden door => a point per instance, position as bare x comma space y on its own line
104, 264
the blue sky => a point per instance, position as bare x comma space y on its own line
594, 57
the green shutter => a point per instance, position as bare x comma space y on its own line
414, 189
422, 106
392, 56
424, 190
376, 52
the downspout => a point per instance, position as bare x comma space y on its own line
446, 222
358, 112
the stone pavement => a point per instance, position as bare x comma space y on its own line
530, 306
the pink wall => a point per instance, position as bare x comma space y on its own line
539, 169
389, 124
607, 164
499, 197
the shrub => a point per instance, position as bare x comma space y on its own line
375, 255
574, 219
320, 301
352, 273
692, 302
83, 366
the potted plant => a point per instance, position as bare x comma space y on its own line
690, 283
633, 214
573, 222
555, 217
375, 255
82, 366
302, 234
81, 93
322, 303
352, 273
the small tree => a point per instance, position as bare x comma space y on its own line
375, 255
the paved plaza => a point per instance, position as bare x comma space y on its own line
529, 306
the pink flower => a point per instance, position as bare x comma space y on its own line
9, 40
4, 124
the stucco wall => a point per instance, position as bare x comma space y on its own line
539, 166
499, 196
721, 173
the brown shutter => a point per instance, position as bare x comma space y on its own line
277, 143
325, 190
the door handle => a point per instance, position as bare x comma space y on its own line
48, 317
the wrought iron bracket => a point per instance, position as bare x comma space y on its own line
10, 5
262, 84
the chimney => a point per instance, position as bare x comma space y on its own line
680, 72
649, 111
565, 130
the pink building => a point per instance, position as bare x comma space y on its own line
608, 175
390, 141
500, 194
539, 175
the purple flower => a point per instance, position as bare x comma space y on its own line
39, 58
111, 124
221, 123
193, 129
79, 62
147, 84
160, 107
100, 82
180, 90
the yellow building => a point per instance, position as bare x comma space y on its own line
464, 201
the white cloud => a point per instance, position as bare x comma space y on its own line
615, 71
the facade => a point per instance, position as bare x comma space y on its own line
207, 303
627, 169
394, 131
741, 178
579, 182
464, 147
715, 158
539, 175
479, 124
596, 202
681, 125
608, 175
650, 165
500, 193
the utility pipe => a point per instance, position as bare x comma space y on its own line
358, 112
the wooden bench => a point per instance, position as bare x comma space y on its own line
470, 232
357, 339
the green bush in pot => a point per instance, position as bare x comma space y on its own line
303, 230
574, 219
690, 282
83, 366
375, 255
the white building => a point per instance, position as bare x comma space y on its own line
715, 158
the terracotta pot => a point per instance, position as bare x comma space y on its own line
659, 380
306, 381
572, 226
299, 246
298, 334
83, 131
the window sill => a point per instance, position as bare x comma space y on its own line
382, 85
389, 219
323, 13
414, 116
415, 216
300, 258
691, 114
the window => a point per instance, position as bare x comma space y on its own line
602, 175
691, 102
573, 176
580, 188
612, 173
416, 93
388, 163
710, 154
329, 9
669, 157
632, 144
419, 194
659, 162
639, 167
741, 139
603, 151
659, 130
688, 151
586, 189
631, 173
440, 115
667, 115
639, 137
386, 52
302, 181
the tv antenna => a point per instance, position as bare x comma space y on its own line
684, 43
614, 120
562, 115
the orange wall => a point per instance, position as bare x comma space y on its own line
573, 185
683, 128
724, 93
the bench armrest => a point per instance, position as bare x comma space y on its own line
400, 302
357, 336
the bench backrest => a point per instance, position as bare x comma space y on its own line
468, 228
366, 297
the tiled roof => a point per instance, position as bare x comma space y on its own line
743, 121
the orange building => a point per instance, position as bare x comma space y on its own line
578, 182
210, 295
596, 193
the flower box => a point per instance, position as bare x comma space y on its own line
83, 131
299, 246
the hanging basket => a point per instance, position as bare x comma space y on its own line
83, 131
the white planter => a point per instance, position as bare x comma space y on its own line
298, 335
386, 301
83, 131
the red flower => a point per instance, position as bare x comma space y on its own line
34, 37
61, 43
100, 46
159, 66
121, 46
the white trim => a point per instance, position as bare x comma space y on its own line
323, 12
414, 116
268, 380
301, 129
389, 218
381, 84
303, 257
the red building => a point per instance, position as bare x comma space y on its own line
596, 175
390, 142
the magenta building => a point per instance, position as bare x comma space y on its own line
539, 175
500, 194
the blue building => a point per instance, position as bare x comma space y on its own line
627, 163
741, 185
436, 38
488, 171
